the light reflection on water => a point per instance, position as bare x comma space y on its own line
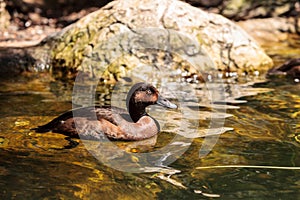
261, 128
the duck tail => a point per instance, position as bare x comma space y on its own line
44, 128
52, 124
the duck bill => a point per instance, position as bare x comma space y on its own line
165, 102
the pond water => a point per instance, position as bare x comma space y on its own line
253, 152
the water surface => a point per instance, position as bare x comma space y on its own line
260, 137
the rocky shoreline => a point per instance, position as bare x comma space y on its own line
19, 36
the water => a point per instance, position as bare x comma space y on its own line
250, 160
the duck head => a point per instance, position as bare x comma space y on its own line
142, 95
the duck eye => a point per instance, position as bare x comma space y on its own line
148, 92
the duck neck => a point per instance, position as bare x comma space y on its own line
136, 111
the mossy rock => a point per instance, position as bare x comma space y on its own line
175, 30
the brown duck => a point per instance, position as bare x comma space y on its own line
290, 68
113, 122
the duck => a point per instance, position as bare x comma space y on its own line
97, 122
290, 68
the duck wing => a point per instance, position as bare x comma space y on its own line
65, 123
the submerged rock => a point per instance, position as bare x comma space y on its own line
124, 34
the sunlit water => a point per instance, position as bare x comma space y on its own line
257, 137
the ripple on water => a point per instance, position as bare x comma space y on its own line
256, 125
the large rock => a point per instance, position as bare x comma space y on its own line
91, 45
277, 29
